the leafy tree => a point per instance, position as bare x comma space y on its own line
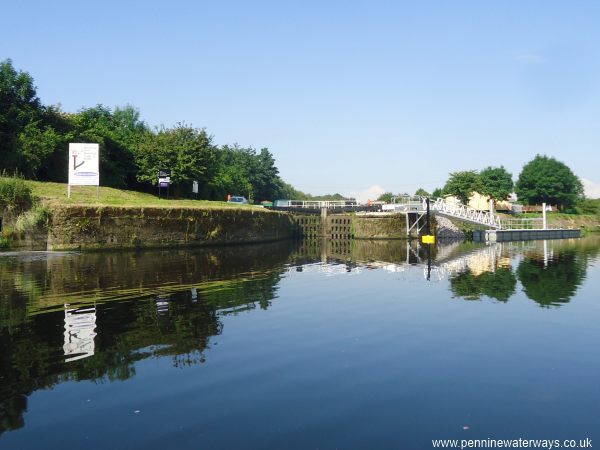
422, 192
385, 197
463, 184
188, 152
117, 133
231, 173
265, 176
496, 183
20, 119
58, 132
243, 171
329, 197
288, 192
34, 142
437, 193
544, 179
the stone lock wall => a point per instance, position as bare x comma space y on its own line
82, 227
357, 226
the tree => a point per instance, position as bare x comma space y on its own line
188, 152
462, 185
496, 183
265, 176
422, 192
437, 193
118, 134
289, 192
546, 180
20, 121
385, 197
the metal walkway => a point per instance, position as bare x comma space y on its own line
443, 208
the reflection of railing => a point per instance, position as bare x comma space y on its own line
80, 326
482, 260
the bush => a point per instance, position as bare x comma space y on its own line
35, 217
15, 194
589, 206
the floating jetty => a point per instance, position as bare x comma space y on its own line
524, 235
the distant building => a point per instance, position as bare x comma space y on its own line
482, 202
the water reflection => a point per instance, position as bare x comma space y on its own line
553, 281
80, 331
92, 317
550, 272
140, 308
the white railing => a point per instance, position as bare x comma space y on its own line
449, 209
536, 223
315, 204
463, 212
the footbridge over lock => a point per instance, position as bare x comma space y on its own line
407, 217
492, 227
418, 205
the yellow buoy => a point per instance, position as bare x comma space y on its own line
428, 239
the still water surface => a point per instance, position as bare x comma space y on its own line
333, 345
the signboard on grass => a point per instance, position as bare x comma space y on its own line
84, 165
164, 178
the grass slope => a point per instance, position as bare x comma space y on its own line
53, 194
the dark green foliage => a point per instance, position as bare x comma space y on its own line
385, 197
555, 282
118, 132
500, 285
15, 194
243, 171
463, 184
589, 206
287, 191
422, 192
34, 142
188, 152
328, 197
21, 116
544, 179
495, 182
437, 193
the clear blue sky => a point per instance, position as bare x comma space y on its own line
349, 96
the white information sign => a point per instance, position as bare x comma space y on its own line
84, 165
195, 187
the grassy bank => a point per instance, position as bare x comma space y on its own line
56, 194
39, 215
589, 222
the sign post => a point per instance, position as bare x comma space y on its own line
164, 180
84, 166
195, 188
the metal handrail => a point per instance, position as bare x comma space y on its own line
460, 211
441, 206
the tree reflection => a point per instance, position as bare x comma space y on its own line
178, 323
555, 281
500, 285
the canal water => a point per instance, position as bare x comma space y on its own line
312, 345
